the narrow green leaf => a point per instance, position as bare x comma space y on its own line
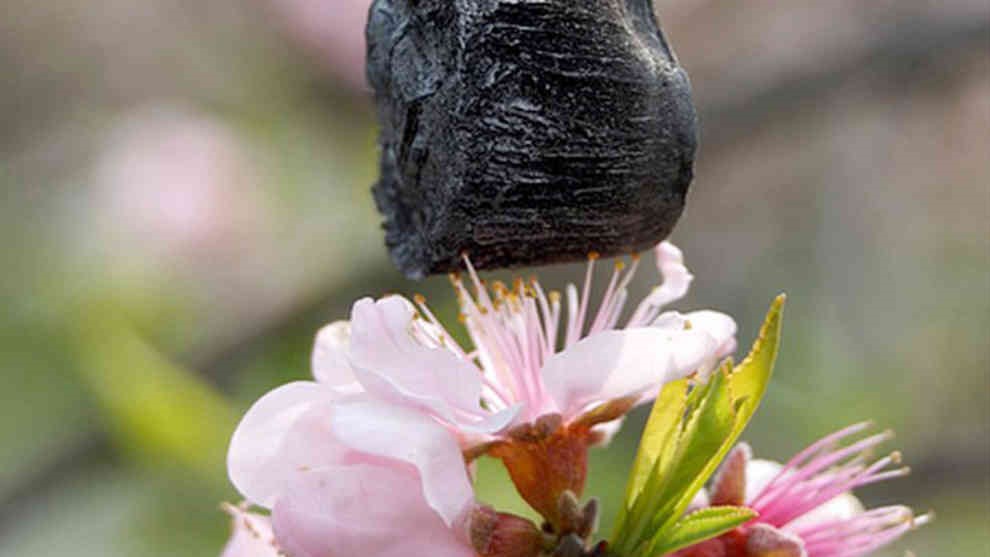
158, 412
660, 434
750, 378
658, 444
706, 439
746, 386
703, 525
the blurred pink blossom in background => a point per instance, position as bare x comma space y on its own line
177, 184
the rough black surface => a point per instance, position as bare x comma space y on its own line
526, 131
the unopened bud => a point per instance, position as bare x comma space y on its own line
570, 546
569, 511
495, 534
590, 515
575, 519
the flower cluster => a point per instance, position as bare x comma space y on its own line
373, 457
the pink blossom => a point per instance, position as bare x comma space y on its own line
527, 360
806, 507
347, 475
370, 453
535, 389
175, 184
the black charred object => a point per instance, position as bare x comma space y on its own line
525, 132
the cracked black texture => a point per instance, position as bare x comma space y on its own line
526, 132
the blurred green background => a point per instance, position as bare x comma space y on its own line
185, 201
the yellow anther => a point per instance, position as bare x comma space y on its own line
419, 299
594, 255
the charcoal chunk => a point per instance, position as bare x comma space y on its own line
526, 132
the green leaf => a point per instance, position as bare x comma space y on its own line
686, 438
702, 525
707, 438
750, 378
660, 434
659, 444
158, 412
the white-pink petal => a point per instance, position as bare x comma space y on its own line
405, 435
329, 360
251, 535
618, 364
759, 474
262, 453
366, 510
844, 507
719, 326
393, 365
676, 277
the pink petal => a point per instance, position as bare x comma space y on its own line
406, 435
617, 364
329, 359
365, 510
251, 535
759, 474
262, 455
676, 277
719, 326
843, 507
698, 502
729, 485
391, 364
491, 423
767, 540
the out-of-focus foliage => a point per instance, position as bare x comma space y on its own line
196, 175
158, 412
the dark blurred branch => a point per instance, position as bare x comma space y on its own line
94, 449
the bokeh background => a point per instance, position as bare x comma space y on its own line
185, 200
